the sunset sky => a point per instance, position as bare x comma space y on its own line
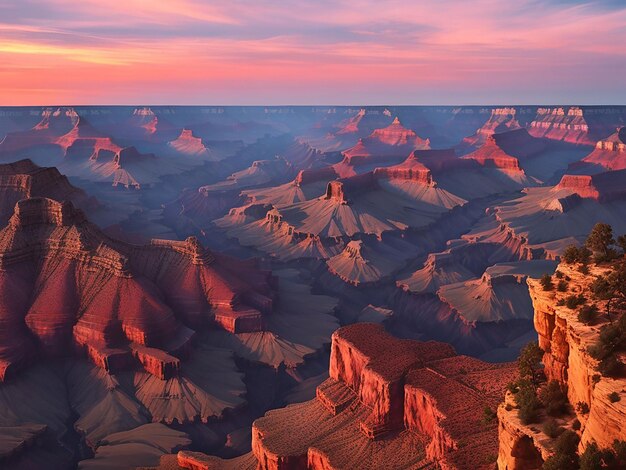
312, 52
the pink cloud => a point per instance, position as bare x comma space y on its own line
183, 51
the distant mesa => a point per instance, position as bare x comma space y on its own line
188, 144
609, 154
23, 179
576, 125
391, 144
501, 120
601, 187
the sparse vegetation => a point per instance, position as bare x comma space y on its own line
621, 242
565, 456
573, 301
553, 398
551, 429
489, 415
600, 241
612, 338
562, 285
582, 407
588, 314
614, 397
576, 425
527, 402
594, 458
546, 282
529, 362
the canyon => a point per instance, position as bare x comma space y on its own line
194, 287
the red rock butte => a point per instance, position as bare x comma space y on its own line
66, 284
388, 403
23, 179
601, 187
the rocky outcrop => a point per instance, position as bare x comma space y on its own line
389, 145
492, 155
387, 403
609, 154
566, 124
501, 120
23, 179
80, 289
188, 144
565, 342
602, 187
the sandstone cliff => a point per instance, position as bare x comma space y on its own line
565, 341
78, 287
388, 403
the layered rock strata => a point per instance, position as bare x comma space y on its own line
387, 403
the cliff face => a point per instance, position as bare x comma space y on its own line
600, 187
23, 179
79, 289
565, 342
388, 403
564, 124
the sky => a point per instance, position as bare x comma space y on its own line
354, 52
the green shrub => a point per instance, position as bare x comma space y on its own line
600, 240
582, 407
553, 399
527, 402
546, 282
610, 366
551, 429
529, 362
565, 457
573, 301
576, 425
571, 254
591, 459
488, 415
558, 274
512, 387
588, 314
562, 285
614, 397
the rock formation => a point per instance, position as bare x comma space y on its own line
609, 154
565, 341
79, 288
388, 145
387, 402
567, 124
23, 179
500, 120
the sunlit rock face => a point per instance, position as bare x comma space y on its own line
567, 124
608, 154
565, 341
426, 220
83, 289
387, 402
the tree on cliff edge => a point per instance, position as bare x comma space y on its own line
600, 240
529, 362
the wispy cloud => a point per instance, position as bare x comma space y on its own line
248, 51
